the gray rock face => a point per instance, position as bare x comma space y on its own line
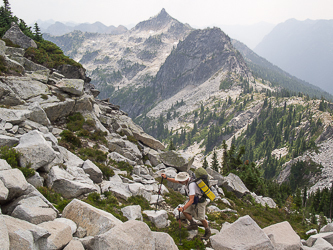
118, 157
72, 86
4, 165
264, 200
58, 110
164, 241
320, 244
4, 238
14, 181
234, 184
3, 48
242, 234
284, 236
14, 65
14, 116
216, 176
327, 228
3, 192
16, 36
8, 141
35, 149
159, 218
180, 161
36, 180
8, 97
132, 212
61, 234
94, 220
93, 171
34, 210
125, 148
129, 235
66, 184
120, 190
74, 245
326, 236
68, 222
24, 235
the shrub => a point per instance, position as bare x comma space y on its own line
9, 43
49, 55
75, 122
69, 140
107, 172
93, 154
10, 155
55, 198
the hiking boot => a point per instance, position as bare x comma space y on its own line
193, 226
207, 234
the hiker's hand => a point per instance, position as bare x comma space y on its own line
164, 176
181, 209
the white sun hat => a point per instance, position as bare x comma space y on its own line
182, 176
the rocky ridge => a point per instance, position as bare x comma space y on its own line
34, 110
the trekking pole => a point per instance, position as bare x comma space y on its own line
180, 229
159, 191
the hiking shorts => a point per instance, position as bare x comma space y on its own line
198, 211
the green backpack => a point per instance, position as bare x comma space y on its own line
201, 178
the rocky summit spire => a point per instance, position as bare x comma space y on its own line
157, 22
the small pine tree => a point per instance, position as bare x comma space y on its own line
38, 34
171, 146
215, 163
205, 163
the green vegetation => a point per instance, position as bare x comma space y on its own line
55, 198
12, 158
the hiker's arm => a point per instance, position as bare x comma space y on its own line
169, 179
189, 203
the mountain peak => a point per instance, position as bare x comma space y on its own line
158, 22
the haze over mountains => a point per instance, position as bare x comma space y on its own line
302, 48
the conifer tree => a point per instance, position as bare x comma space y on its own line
215, 163
38, 34
205, 163
171, 146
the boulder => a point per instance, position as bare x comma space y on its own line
14, 116
12, 51
72, 86
83, 104
164, 241
120, 190
234, 184
125, 148
156, 198
24, 235
180, 161
74, 245
14, 181
14, 65
38, 114
40, 75
158, 217
64, 183
118, 158
4, 237
129, 235
72, 72
17, 37
68, 222
8, 141
3, 48
3, 192
35, 150
8, 97
57, 110
326, 236
36, 180
216, 176
25, 87
94, 220
132, 212
61, 234
327, 228
284, 236
243, 234
31, 66
80, 232
33, 210
93, 171
264, 200
320, 244
138, 189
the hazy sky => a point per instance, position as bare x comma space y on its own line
197, 13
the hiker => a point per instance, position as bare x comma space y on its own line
196, 206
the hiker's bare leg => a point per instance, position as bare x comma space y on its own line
204, 223
187, 216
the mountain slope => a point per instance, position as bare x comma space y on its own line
269, 72
303, 49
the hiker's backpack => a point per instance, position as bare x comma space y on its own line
201, 178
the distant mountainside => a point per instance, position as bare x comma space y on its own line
251, 35
303, 49
59, 29
269, 72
